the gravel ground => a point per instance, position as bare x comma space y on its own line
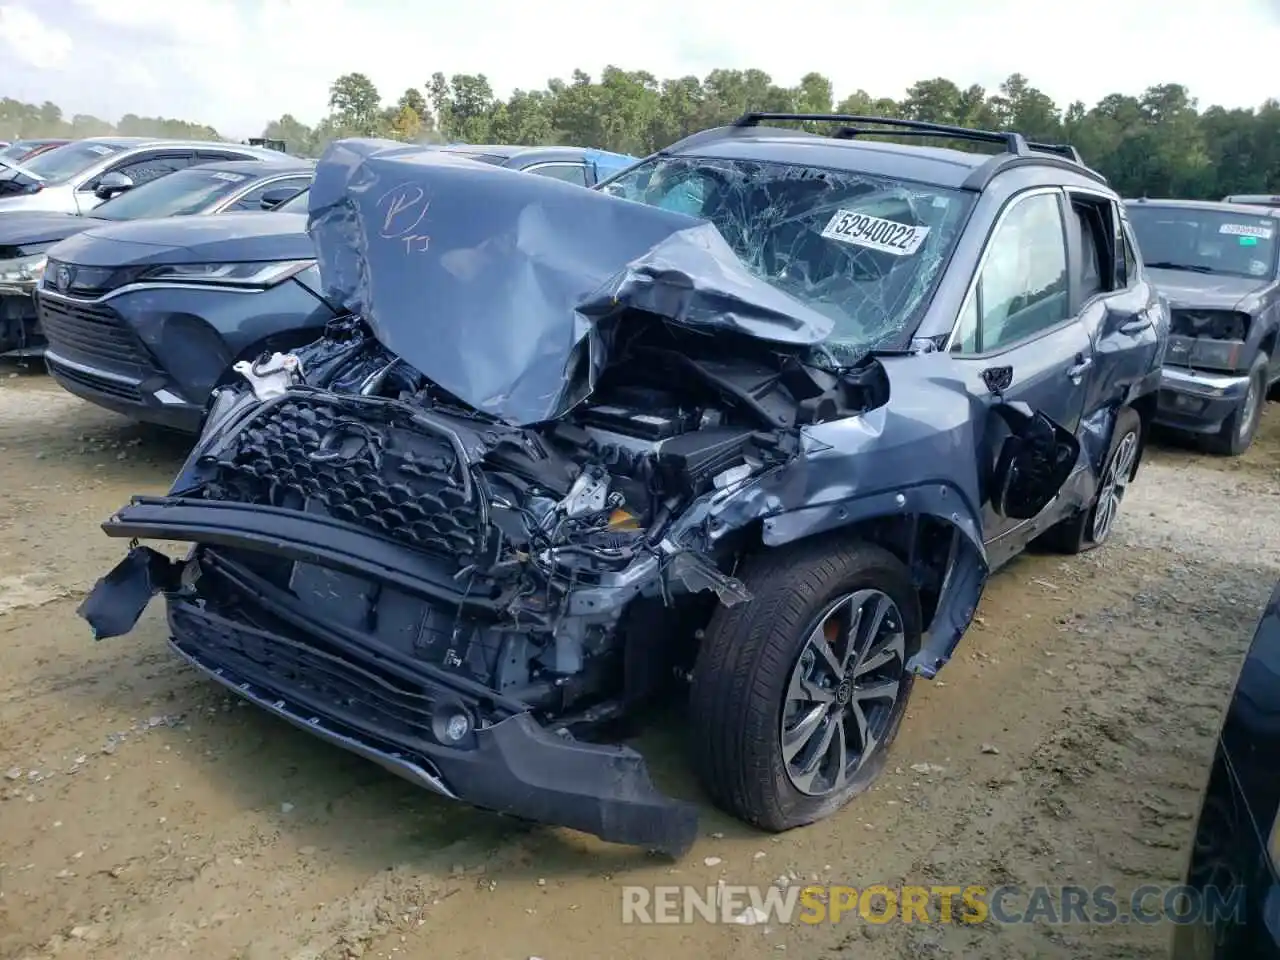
144, 814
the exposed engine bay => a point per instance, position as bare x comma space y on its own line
547, 533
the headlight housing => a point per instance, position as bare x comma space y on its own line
23, 269
256, 276
1212, 324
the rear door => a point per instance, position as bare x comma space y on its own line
1020, 339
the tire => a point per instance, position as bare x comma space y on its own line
745, 668
1237, 433
1083, 532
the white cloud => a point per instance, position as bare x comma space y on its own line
238, 63
30, 39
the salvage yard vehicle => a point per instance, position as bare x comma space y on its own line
1235, 853
1219, 266
27, 237
761, 413
1254, 199
77, 176
20, 151
145, 319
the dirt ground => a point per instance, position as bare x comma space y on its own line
143, 813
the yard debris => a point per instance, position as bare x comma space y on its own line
927, 768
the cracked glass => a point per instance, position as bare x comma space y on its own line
864, 250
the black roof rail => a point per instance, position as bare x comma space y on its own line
1061, 149
1012, 142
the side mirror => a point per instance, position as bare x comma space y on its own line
111, 185
273, 198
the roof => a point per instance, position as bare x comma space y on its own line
135, 142
950, 168
1244, 208
850, 149
260, 168
512, 151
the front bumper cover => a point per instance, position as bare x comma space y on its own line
1198, 401
514, 766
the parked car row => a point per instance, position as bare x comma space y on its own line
146, 318
208, 188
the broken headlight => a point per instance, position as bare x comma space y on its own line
1211, 324
254, 275
24, 271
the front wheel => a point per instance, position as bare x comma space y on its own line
1236, 435
798, 693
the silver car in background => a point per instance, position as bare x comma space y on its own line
77, 176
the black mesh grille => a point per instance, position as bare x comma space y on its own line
96, 333
334, 684
372, 468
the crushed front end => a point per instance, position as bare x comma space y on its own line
459, 599
488, 514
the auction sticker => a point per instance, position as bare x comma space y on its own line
1246, 230
886, 236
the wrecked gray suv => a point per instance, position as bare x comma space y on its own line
760, 415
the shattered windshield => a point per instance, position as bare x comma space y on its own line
860, 249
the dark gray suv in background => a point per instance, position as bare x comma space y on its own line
1219, 266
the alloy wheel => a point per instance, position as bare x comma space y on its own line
1115, 483
842, 692
1248, 410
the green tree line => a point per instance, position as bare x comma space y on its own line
1159, 142
20, 120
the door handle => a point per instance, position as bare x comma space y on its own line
1136, 325
1076, 371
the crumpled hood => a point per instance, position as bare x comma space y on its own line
22, 227
1200, 291
216, 238
504, 287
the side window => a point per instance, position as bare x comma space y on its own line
253, 199
1130, 257
146, 168
575, 173
1022, 288
1094, 220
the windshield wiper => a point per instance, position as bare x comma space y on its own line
1191, 267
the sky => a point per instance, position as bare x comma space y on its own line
236, 64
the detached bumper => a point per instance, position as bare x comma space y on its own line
513, 767
428, 724
1196, 401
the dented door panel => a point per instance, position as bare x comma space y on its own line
1041, 377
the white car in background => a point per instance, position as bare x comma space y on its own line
76, 177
